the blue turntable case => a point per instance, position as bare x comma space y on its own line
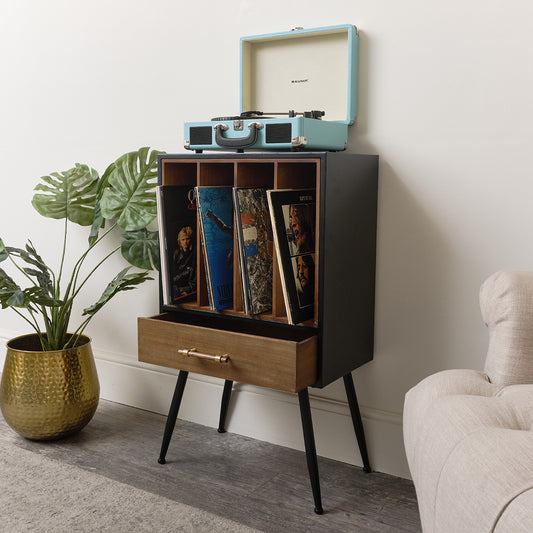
298, 92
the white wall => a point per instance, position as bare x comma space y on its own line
445, 99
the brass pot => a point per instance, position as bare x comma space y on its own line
51, 394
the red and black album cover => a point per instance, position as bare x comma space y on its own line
255, 247
293, 213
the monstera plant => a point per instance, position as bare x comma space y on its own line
123, 197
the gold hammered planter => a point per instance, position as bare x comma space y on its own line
48, 395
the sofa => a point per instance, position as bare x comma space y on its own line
469, 435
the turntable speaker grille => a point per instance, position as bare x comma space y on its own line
201, 135
278, 133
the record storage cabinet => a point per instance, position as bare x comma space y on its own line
265, 350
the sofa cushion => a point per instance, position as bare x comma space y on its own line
453, 423
517, 516
486, 472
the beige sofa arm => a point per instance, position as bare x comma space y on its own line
506, 301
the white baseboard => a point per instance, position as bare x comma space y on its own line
255, 412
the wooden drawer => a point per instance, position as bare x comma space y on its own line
277, 358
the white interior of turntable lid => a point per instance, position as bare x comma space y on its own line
300, 72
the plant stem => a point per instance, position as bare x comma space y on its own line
77, 267
58, 282
54, 324
94, 270
78, 333
70, 301
82, 258
62, 315
34, 325
18, 268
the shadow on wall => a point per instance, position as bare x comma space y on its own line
414, 285
363, 82
414, 316
414, 281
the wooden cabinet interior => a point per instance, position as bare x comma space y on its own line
303, 173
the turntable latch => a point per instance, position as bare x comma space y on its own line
299, 142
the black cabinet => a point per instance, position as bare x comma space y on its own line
265, 349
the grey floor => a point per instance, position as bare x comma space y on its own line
251, 482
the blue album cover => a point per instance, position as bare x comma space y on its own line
215, 213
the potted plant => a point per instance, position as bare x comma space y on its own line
49, 385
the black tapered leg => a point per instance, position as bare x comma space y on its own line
226, 396
356, 419
173, 414
310, 448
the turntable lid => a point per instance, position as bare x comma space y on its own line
301, 70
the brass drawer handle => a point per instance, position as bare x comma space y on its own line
191, 352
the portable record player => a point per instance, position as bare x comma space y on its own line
298, 92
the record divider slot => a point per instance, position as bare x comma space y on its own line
276, 174
238, 304
255, 173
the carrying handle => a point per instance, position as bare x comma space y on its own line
239, 142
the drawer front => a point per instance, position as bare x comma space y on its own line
275, 363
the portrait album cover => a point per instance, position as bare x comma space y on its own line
177, 220
293, 215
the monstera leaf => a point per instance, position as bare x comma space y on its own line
12, 295
128, 196
70, 194
37, 269
141, 249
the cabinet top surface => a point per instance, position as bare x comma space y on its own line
246, 155
261, 155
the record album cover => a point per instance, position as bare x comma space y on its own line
215, 214
255, 242
177, 222
293, 214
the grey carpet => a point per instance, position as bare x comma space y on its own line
39, 494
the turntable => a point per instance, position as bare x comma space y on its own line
313, 69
